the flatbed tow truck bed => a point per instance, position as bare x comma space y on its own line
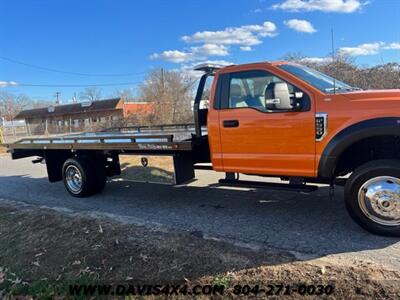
143, 139
115, 145
103, 141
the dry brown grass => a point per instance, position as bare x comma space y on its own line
53, 248
3, 150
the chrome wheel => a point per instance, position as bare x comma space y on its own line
73, 179
379, 200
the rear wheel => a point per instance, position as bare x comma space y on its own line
372, 196
82, 177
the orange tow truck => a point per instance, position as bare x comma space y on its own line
277, 119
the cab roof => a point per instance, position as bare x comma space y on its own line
211, 68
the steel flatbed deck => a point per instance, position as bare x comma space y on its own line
117, 141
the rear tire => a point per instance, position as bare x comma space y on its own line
372, 197
79, 177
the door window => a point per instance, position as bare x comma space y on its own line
263, 91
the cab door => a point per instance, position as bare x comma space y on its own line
261, 131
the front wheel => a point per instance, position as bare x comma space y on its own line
372, 196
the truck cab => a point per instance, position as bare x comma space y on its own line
255, 110
278, 118
286, 120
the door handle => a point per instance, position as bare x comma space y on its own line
231, 123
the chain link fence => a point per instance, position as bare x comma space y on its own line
13, 131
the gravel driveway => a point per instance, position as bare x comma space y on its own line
309, 225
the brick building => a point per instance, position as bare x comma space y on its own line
83, 116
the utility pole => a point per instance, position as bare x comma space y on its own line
162, 82
57, 95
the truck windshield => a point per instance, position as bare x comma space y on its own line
317, 79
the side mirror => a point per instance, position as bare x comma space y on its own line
275, 101
298, 95
298, 101
281, 92
278, 97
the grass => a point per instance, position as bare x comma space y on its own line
45, 250
43, 289
224, 280
42, 252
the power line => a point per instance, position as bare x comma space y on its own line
68, 72
74, 85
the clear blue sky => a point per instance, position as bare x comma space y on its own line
122, 36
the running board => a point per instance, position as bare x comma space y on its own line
269, 185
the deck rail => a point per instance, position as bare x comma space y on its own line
162, 127
98, 139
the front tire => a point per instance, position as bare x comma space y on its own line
372, 196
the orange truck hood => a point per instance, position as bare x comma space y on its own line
374, 95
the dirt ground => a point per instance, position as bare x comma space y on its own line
42, 251
3, 150
159, 169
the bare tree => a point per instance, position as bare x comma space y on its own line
294, 56
125, 95
171, 92
386, 76
11, 104
91, 94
